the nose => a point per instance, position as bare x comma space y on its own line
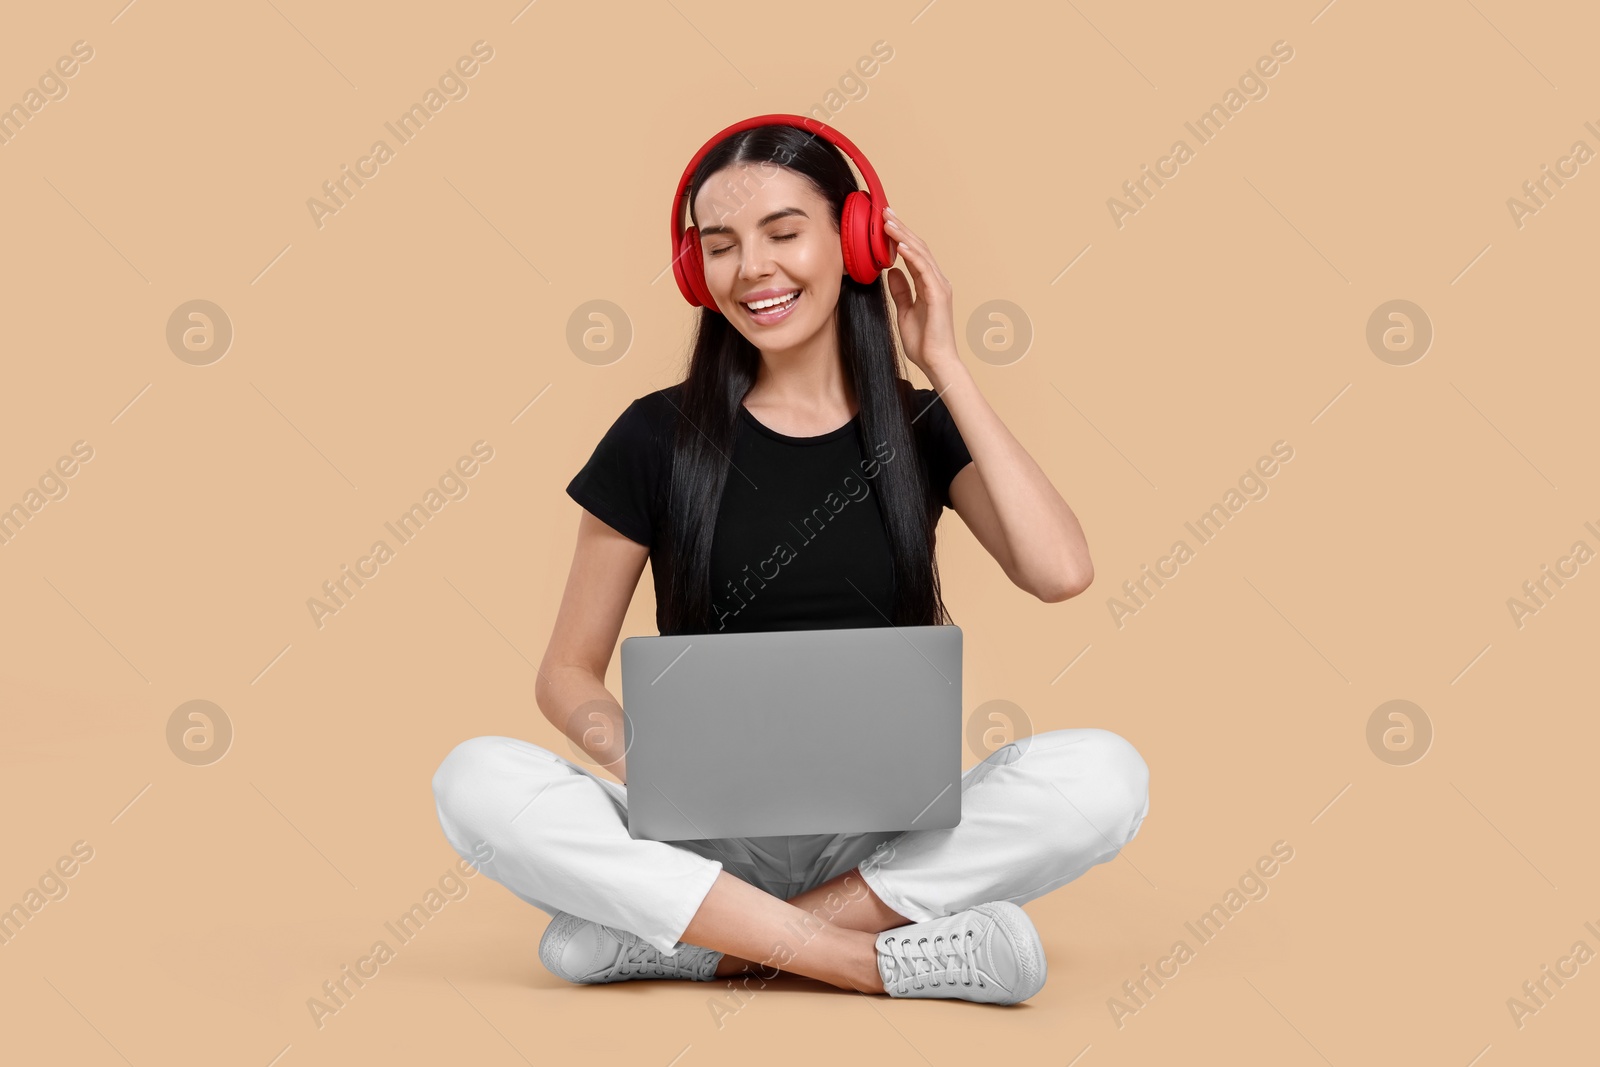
753, 264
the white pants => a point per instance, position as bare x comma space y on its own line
1035, 815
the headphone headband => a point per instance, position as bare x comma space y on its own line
865, 245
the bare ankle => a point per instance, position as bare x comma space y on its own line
865, 977
731, 965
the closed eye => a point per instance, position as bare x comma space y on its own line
776, 237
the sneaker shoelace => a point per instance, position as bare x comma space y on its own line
641, 957
952, 965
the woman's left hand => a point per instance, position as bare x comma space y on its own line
927, 322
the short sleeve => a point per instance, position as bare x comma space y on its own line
619, 484
944, 452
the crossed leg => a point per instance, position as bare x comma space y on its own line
741, 917
1035, 815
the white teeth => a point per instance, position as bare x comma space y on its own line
762, 305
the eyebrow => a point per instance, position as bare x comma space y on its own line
773, 217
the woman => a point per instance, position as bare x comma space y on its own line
779, 401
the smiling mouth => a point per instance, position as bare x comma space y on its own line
774, 312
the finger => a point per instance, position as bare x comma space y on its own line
900, 239
896, 230
899, 289
907, 240
914, 266
891, 218
919, 260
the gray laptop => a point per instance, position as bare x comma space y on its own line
792, 732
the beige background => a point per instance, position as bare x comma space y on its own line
431, 311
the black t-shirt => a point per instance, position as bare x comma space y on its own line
800, 542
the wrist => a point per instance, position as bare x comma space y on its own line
945, 370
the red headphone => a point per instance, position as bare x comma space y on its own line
861, 234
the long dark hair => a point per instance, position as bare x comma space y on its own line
723, 368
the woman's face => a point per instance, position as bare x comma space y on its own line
766, 233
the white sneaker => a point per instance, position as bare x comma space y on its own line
990, 953
587, 952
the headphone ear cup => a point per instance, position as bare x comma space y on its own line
877, 236
689, 271
855, 238
680, 270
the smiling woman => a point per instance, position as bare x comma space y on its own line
794, 399
770, 305
784, 255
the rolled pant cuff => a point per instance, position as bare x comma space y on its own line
684, 914
874, 877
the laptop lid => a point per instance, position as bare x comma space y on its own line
792, 732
